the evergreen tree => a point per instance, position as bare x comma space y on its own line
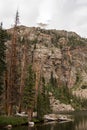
53, 80
3, 37
43, 103
29, 92
40, 106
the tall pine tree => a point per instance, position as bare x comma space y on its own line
3, 37
43, 103
29, 92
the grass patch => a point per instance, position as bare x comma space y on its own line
13, 120
36, 120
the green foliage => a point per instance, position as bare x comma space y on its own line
78, 81
35, 120
74, 41
79, 103
55, 38
61, 93
34, 41
3, 38
76, 102
43, 103
29, 90
40, 106
64, 94
84, 103
5, 120
53, 80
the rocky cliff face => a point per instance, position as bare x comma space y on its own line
59, 55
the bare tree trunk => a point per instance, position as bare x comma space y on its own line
70, 58
37, 81
11, 85
30, 114
23, 75
10, 107
6, 87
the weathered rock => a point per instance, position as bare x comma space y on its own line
31, 124
51, 117
9, 127
57, 117
58, 54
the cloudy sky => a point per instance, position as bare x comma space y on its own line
68, 15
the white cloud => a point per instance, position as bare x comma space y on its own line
63, 14
46, 9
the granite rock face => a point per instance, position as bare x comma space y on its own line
60, 55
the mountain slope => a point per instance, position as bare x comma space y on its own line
60, 56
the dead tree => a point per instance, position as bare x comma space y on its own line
23, 75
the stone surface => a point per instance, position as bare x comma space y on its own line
60, 54
57, 117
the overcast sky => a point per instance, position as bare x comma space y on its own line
68, 15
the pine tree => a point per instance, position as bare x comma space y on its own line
3, 37
29, 92
53, 80
43, 103
40, 106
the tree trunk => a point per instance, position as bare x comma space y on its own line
6, 88
30, 114
23, 76
10, 106
11, 79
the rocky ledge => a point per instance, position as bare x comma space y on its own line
57, 117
